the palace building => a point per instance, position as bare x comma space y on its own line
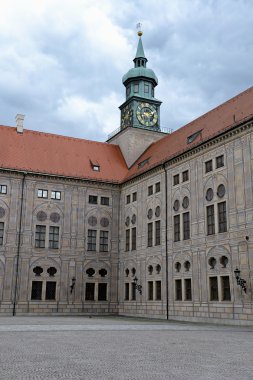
148, 224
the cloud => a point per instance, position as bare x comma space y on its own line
62, 62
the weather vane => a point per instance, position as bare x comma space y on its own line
139, 29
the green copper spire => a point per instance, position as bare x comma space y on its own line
140, 50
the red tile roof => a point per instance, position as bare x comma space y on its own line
210, 124
59, 155
46, 153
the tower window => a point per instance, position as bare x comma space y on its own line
152, 92
128, 90
136, 87
146, 88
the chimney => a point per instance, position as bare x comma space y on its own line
19, 122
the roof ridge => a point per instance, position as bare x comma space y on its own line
48, 134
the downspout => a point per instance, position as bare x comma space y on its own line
19, 243
166, 242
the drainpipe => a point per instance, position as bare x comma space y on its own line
19, 243
166, 242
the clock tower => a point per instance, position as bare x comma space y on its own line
141, 109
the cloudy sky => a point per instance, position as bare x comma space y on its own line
62, 61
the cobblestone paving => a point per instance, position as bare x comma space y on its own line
122, 349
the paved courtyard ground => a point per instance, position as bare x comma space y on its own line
111, 348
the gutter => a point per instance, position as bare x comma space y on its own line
19, 244
166, 242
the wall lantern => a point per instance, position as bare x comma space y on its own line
240, 281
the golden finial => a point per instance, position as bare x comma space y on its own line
139, 31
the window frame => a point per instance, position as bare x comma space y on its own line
103, 241
157, 232
176, 180
176, 224
43, 194
55, 194
208, 166
222, 216
92, 240
93, 199
1, 233
185, 175
40, 236
105, 201
219, 161
134, 239
186, 226
150, 235
210, 220
2, 187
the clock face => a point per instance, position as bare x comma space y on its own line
126, 116
147, 114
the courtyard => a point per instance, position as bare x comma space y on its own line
122, 348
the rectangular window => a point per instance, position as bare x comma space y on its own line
92, 237
222, 217
133, 291
89, 291
152, 92
50, 290
105, 201
36, 290
225, 286
42, 193
185, 176
103, 245
95, 168
1, 233
134, 239
134, 197
157, 187
102, 292
54, 237
128, 199
136, 87
210, 220
56, 195
158, 290
40, 236
3, 189
93, 199
186, 225
213, 281
150, 290
146, 88
150, 234
128, 90
219, 161
176, 179
127, 240
188, 289
158, 232
150, 190
209, 166
176, 227
127, 291
178, 284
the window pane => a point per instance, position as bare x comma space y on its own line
209, 166
150, 234
214, 289
158, 232
103, 246
185, 175
150, 190
40, 236
150, 290
134, 197
222, 217
128, 199
210, 220
146, 88
127, 292
1, 233
188, 289
105, 201
50, 290
226, 296
176, 227
93, 199
219, 162
178, 284
3, 189
134, 239
92, 236
89, 291
157, 187
176, 179
158, 290
36, 290
54, 237
186, 226
127, 240
102, 290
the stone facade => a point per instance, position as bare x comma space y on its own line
188, 279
